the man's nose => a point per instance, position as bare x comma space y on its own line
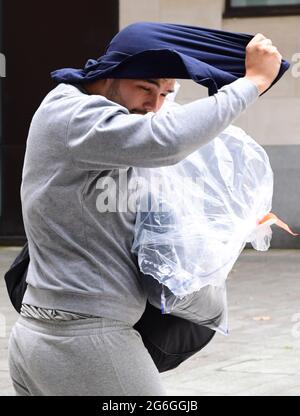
152, 104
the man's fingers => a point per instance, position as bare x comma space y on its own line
255, 40
263, 44
258, 37
266, 42
273, 50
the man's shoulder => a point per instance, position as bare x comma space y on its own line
68, 94
65, 91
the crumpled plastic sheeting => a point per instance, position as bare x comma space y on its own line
195, 217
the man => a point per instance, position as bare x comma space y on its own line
75, 335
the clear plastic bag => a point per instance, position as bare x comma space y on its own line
193, 221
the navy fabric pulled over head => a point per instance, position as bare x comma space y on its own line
212, 58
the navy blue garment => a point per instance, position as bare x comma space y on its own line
212, 58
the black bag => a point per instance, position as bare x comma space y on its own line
169, 339
15, 278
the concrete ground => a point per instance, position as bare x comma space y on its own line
261, 354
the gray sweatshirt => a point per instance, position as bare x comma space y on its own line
80, 258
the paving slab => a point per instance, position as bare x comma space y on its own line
261, 354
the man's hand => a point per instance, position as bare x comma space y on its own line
262, 62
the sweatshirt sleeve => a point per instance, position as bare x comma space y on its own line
103, 135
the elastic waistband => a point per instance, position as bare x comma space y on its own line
78, 327
122, 308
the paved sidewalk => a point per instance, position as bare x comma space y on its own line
260, 356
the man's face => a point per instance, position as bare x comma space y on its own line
140, 96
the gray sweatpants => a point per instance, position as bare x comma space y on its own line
88, 357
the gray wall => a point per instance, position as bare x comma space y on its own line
285, 161
274, 120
